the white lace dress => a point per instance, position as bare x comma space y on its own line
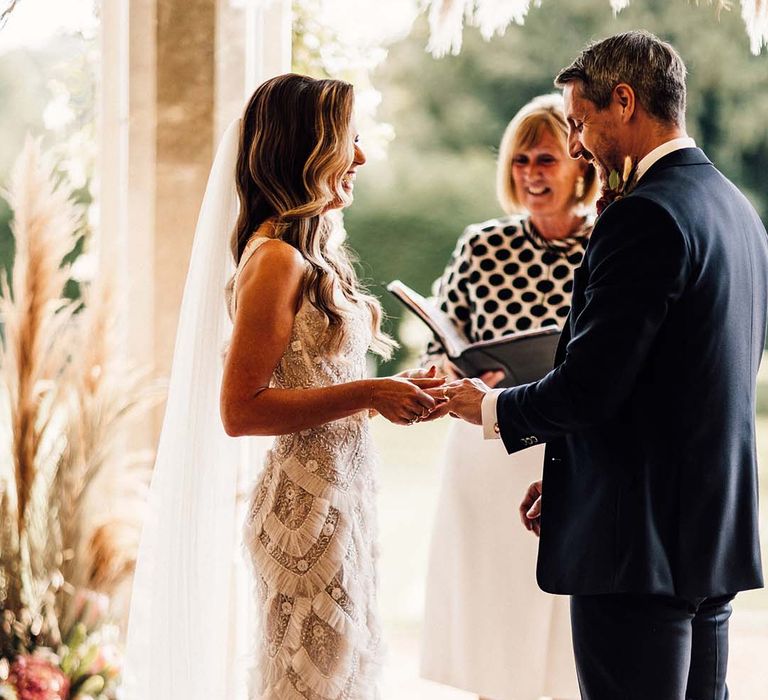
310, 532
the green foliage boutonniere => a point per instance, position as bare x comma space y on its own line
619, 185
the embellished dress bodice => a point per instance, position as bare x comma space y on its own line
310, 530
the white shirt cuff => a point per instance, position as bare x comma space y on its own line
488, 408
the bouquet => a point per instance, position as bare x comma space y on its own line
85, 663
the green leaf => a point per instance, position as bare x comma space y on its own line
69, 663
77, 637
87, 661
93, 686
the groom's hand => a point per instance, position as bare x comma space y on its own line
465, 398
530, 509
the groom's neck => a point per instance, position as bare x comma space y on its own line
652, 135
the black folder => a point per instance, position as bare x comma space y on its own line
524, 357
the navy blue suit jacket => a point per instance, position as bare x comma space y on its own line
650, 474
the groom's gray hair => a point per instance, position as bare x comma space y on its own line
649, 65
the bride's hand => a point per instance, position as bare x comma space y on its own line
416, 373
404, 401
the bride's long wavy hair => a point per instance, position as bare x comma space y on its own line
296, 145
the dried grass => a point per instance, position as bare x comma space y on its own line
105, 395
70, 397
33, 310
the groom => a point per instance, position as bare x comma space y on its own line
649, 517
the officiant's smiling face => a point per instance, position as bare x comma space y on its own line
544, 176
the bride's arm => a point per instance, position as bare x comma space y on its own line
268, 295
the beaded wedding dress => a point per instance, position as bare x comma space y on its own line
310, 532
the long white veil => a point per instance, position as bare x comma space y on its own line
189, 622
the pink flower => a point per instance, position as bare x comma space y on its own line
35, 678
607, 196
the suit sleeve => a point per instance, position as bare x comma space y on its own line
637, 264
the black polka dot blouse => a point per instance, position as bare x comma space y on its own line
504, 277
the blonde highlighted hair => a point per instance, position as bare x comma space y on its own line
296, 145
543, 114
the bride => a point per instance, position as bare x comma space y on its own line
295, 369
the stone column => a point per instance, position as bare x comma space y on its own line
184, 139
174, 74
126, 176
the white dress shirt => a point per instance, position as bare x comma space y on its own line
488, 407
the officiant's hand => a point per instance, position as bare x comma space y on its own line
421, 373
453, 373
530, 509
492, 378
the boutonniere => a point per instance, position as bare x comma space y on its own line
619, 185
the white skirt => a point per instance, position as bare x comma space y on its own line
488, 628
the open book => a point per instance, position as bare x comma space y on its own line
524, 356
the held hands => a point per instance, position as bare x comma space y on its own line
418, 395
465, 397
530, 509
462, 398
405, 398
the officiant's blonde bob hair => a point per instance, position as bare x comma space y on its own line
545, 113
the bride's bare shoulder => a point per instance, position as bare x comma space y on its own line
271, 252
275, 268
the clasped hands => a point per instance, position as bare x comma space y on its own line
452, 395
462, 398
419, 395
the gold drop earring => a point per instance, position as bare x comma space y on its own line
579, 190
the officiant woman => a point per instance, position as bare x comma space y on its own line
488, 628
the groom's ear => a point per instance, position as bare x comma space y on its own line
625, 101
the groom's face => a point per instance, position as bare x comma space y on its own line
593, 134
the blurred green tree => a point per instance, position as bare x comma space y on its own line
449, 115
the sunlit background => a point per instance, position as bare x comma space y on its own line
431, 128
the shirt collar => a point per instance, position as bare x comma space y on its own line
660, 151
